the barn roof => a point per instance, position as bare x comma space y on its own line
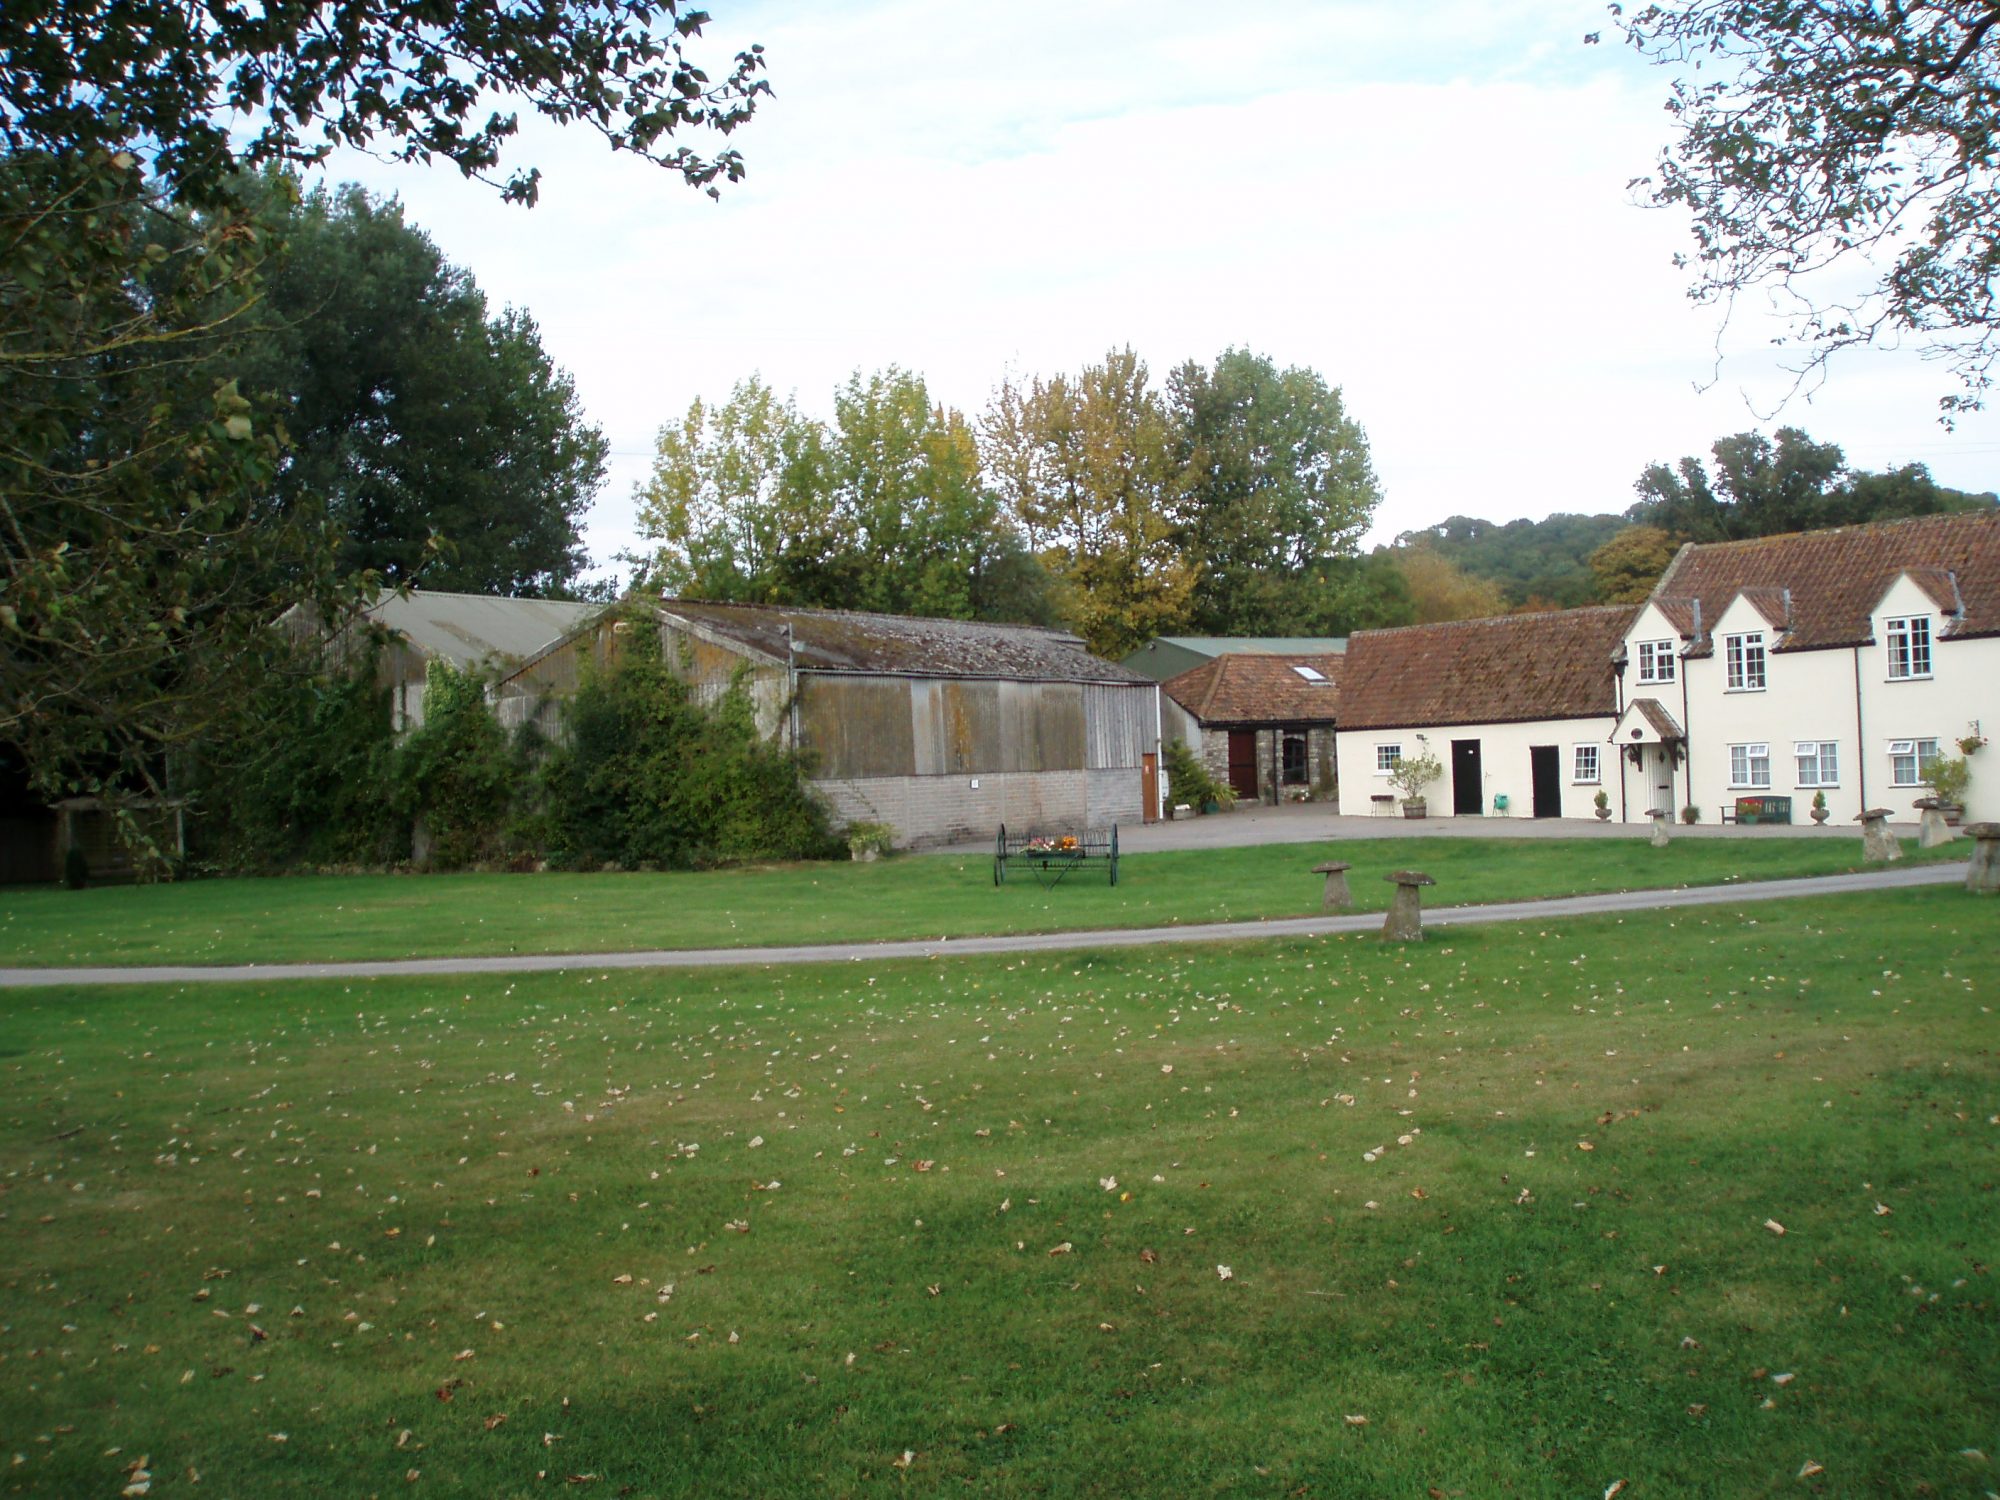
1830, 581
1509, 669
835, 641
1261, 689
468, 629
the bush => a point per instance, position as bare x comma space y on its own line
645, 773
456, 774
1188, 779
1415, 772
867, 840
316, 784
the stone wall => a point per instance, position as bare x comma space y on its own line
1322, 765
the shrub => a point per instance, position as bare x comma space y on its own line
1948, 778
1415, 772
646, 773
1188, 779
866, 840
457, 773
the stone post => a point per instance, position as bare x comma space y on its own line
1660, 822
1933, 830
1405, 923
1336, 897
1878, 844
1982, 876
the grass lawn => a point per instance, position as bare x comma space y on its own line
387, 916
1485, 1216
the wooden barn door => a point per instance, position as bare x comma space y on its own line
1149, 786
1243, 763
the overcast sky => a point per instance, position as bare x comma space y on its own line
1433, 215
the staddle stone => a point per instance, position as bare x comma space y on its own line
1660, 821
1933, 830
1878, 844
1982, 876
1405, 922
1336, 896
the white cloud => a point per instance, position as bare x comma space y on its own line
1434, 217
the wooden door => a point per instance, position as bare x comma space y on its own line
1149, 787
1545, 766
1468, 780
1243, 763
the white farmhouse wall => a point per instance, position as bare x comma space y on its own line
1963, 690
1505, 768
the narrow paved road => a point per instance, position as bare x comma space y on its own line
1039, 942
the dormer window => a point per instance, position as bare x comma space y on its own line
1909, 641
1656, 661
1744, 659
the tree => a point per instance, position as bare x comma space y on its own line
1085, 465
1532, 561
140, 570
1278, 485
199, 91
740, 505
1627, 566
1441, 590
1844, 154
413, 412
1764, 486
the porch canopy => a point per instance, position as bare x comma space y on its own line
1646, 722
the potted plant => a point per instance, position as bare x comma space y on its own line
1603, 801
1691, 814
1819, 807
1969, 744
1412, 774
1948, 778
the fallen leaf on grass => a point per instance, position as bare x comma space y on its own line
495, 1420
1613, 1488
1355, 1419
1062, 1249
625, 1280
1150, 1257
1225, 1273
462, 1355
1774, 1226
909, 1456
1882, 1209
1810, 1469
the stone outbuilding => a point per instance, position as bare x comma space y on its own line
1262, 723
941, 729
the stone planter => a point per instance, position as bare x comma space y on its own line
1819, 815
1954, 812
1604, 815
1416, 807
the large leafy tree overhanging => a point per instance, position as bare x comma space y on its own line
416, 413
1845, 155
138, 548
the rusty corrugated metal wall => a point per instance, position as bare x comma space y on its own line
865, 726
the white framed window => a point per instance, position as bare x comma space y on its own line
1583, 763
1387, 758
1311, 674
1744, 656
1819, 762
1910, 761
1750, 766
1656, 661
1909, 646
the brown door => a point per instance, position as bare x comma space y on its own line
1243, 763
1149, 786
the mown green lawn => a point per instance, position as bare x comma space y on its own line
387, 916
1484, 1216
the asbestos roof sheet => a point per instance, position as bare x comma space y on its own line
825, 640
1261, 689
1837, 577
1508, 669
468, 629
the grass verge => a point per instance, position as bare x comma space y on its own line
303, 919
963, 1225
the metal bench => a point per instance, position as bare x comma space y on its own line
1052, 858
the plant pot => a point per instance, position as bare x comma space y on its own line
1819, 815
1952, 811
1210, 806
1415, 808
1604, 815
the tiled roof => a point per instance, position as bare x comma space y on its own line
1656, 715
1836, 577
1505, 670
1260, 689
827, 640
1262, 645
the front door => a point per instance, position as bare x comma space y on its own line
1149, 787
1659, 772
1468, 784
1545, 765
1243, 763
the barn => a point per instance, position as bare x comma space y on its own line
940, 729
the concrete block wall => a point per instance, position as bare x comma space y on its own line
927, 811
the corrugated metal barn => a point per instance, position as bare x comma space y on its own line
942, 729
